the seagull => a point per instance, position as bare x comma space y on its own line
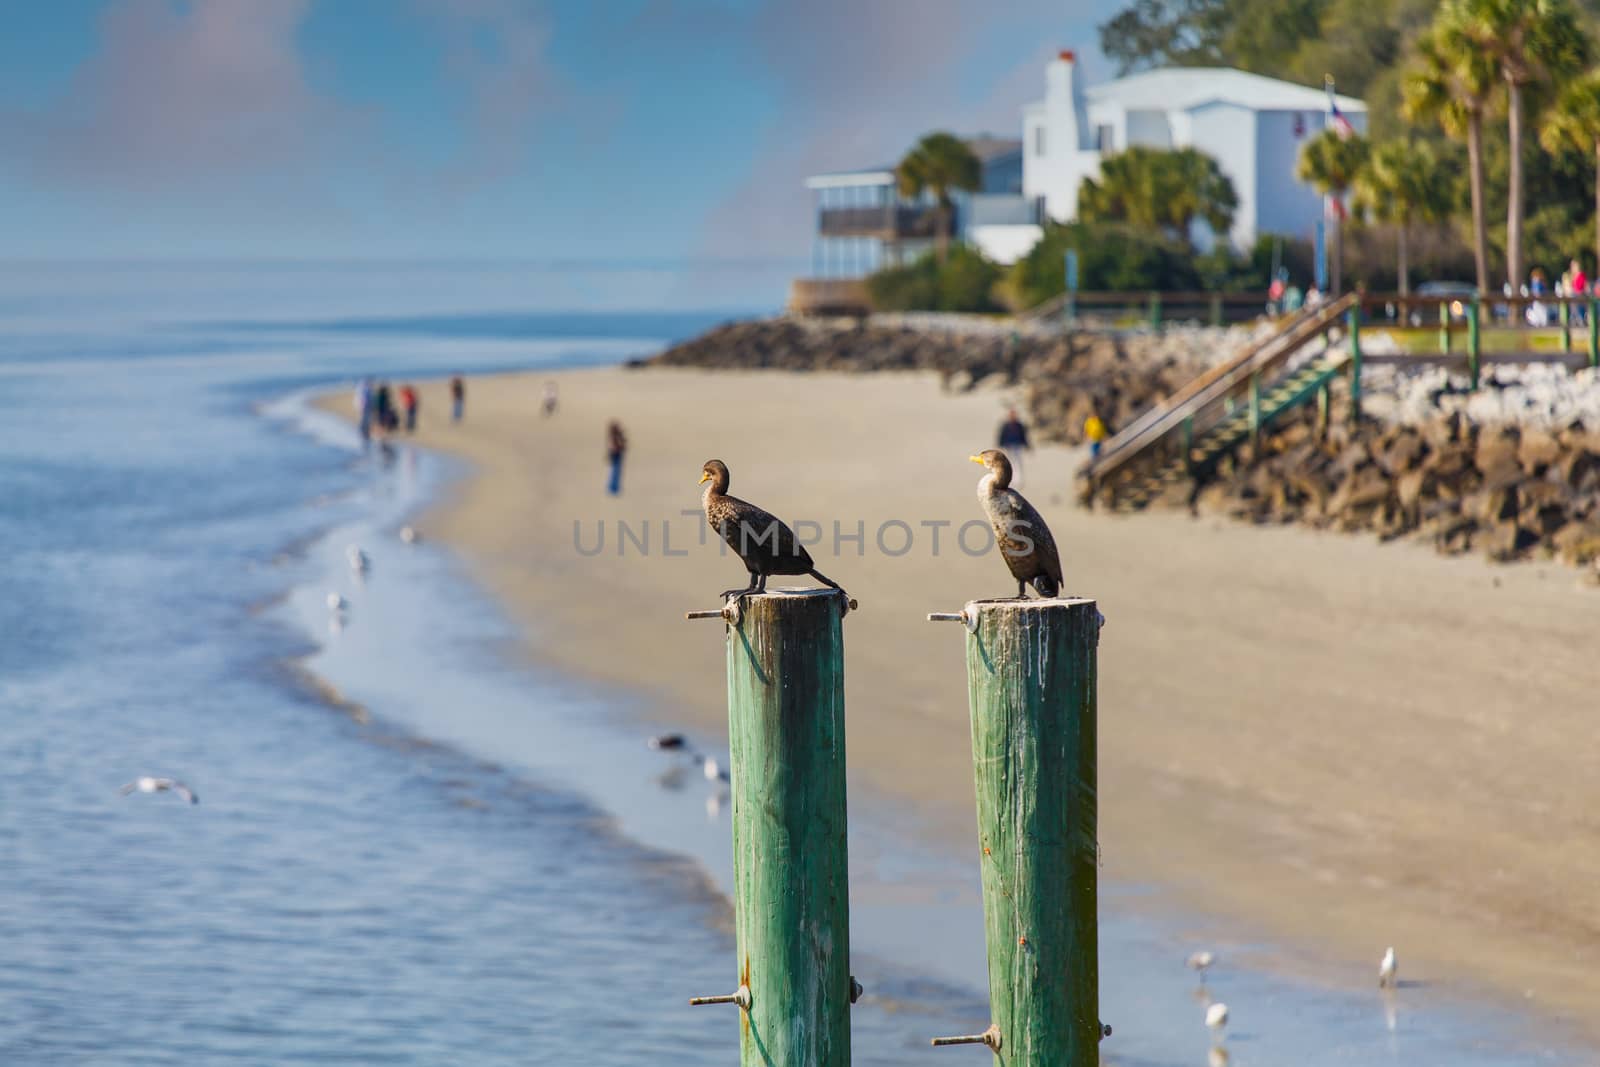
667, 742
360, 562
1388, 969
1201, 962
1217, 1018
337, 603
409, 535
714, 771
160, 785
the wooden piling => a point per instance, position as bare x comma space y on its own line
791, 892
1031, 676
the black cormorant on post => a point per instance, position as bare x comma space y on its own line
1024, 539
765, 544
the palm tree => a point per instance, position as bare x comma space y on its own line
1574, 122
1529, 42
1451, 83
1400, 184
1160, 189
939, 164
1330, 161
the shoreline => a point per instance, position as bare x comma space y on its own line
1169, 816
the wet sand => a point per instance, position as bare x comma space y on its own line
1328, 742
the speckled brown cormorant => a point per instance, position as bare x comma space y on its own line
1023, 537
765, 544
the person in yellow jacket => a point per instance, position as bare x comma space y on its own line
1094, 429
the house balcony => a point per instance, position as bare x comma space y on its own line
1003, 209
887, 222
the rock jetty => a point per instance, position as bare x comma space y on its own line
1059, 374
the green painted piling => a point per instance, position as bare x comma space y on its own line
1594, 333
1155, 309
1255, 410
1216, 309
1474, 342
1444, 329
1353, 319
1566, 326
1031, 678
791, 891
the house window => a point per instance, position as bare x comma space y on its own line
1038, 140
1103, 138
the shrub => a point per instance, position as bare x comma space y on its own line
965, 282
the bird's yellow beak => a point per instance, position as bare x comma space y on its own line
976, 459
705, 476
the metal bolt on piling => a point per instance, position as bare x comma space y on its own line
990, 1037
741, 997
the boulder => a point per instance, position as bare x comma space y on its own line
1506, 541
1537, 450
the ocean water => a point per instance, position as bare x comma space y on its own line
411, 848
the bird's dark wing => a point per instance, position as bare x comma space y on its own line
1044, 542
761, 539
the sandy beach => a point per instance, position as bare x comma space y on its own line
1329, 742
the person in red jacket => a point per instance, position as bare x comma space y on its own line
408, 404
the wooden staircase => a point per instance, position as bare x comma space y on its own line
1203, 422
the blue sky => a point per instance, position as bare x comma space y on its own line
609, 132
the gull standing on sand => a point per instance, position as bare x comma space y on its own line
1019, 529
360, 562
1217, 1018
1388, 969
765, 544
160, 785
713, 770
337, 603
667, 742
1201, 962
409, 535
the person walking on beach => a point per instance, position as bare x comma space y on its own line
616, 446
1094, 430
458, 397
1013, 441
550, 399
364, 409
383, 407
408, 403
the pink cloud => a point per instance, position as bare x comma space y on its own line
213, 86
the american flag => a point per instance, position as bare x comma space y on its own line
1336, 117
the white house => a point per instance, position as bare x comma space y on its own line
864, 224
1252, 126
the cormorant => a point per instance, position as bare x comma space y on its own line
766, 545
1024, 539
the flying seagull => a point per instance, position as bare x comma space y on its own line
160, 785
